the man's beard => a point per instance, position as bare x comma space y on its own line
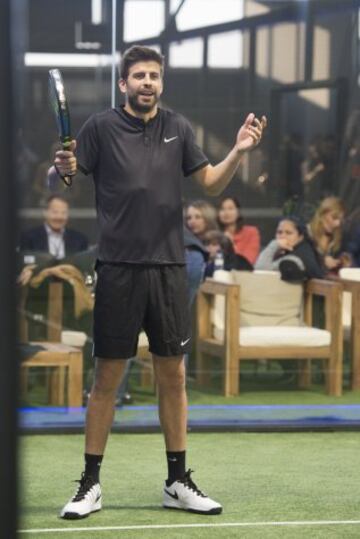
138, 107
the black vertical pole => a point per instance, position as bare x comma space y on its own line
8, 358
309, 42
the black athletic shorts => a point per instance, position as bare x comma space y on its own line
132, 297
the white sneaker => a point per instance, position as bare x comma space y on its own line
184, 494
87, 499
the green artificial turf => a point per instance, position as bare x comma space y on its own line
257, 478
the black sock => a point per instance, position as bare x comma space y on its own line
176, 465
92, 466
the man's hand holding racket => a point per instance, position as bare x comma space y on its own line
65, 160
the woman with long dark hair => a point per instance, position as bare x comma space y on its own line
245, 238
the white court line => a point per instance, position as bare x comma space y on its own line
219, 525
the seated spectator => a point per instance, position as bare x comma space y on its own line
352, 245
325, 230
200, 216
196, 256
245, 238
217, 244
291, 252
351, 240
53, 236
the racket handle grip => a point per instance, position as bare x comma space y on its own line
66, 179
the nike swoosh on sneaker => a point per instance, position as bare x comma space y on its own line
175, 496
166, 140
184, 342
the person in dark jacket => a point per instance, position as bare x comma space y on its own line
196, 257
291, 252
54, 236
352, 244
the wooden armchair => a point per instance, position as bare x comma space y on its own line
66, 362
350, 281
243, 322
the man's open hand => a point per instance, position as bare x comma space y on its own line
250, 133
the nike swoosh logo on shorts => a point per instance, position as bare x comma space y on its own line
184, 342
166, 140
175, 496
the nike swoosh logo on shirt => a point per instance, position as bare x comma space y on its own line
166, 140
184, 342
175, 496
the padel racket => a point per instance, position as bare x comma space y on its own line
60, 106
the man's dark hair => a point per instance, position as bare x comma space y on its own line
138, 53
56, 196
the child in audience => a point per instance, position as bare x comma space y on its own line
216, 242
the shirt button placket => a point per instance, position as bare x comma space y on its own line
146, 137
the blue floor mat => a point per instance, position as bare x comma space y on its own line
202, 417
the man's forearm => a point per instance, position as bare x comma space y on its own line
217, 177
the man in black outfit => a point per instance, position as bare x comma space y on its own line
138, 155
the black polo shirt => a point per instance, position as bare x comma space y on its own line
138, 170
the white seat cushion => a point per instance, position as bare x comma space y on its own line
73, 338
265, 300
270, 313
350, 274
266, 336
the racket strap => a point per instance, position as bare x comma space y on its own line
66, 179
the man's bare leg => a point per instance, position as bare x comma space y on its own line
180, 492
101, 405
170, 379
99, 418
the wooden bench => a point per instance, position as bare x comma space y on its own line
64, 363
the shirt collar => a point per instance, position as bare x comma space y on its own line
134, 119
50, 231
